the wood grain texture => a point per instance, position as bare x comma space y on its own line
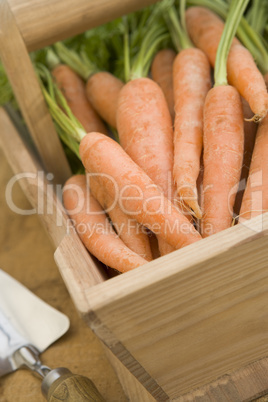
246, 384
131, 386
71, 254
74, 388
195, 314
183, 320
22, 77
27, 254
47, 205
43, 22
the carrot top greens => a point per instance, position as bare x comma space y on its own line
245, 32
68, 127
176, 25
235, 13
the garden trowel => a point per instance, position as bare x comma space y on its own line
27, 327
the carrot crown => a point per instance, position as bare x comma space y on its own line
247, 35
52, 59
68, 127
235, 13
81, 65
177, 27
138, 56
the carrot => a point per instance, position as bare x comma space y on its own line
249, 140
205, 29
129, 231
223, 136
191, 78
161, 70
266, 80
255, 199
102, 88
145, 132
139, 197
73, 88
245, 33
144, 123
223, 155
94, 228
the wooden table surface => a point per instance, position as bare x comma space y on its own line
27, 255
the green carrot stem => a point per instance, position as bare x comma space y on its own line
69, 141
52, 59
257, 15
182, 17
235, 13
72, 59
152, 40
179, 36
250, 39
65, 119
126, 50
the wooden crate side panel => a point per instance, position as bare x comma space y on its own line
43, 22
197, 324
23, 79
243, 385
77, 267
131, 386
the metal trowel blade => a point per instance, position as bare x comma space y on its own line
25, 319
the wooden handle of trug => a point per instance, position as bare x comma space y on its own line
62, 385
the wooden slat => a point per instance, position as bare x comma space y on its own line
193, 315
43, 22
70, 252
70, 255
245, 384
22, 77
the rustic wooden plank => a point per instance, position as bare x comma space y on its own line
35, 184
43, 22
70, 255
70, 252
193, 315
131, 386
22, 77
246, 384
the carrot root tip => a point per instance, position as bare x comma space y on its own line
256, 118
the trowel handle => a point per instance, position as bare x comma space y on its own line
62, 385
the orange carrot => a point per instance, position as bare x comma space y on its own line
102, 88
139, 197
129, 231
145, 132
191, 77
161, 70
223, 155
250, 130
192, 81
73, 88
94, 228
255, 199
223, 136
205, 29
103, 91
266, 80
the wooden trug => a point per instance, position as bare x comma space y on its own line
197, 316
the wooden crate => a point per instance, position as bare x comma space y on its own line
188, 326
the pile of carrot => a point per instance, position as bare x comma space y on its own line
172, 136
